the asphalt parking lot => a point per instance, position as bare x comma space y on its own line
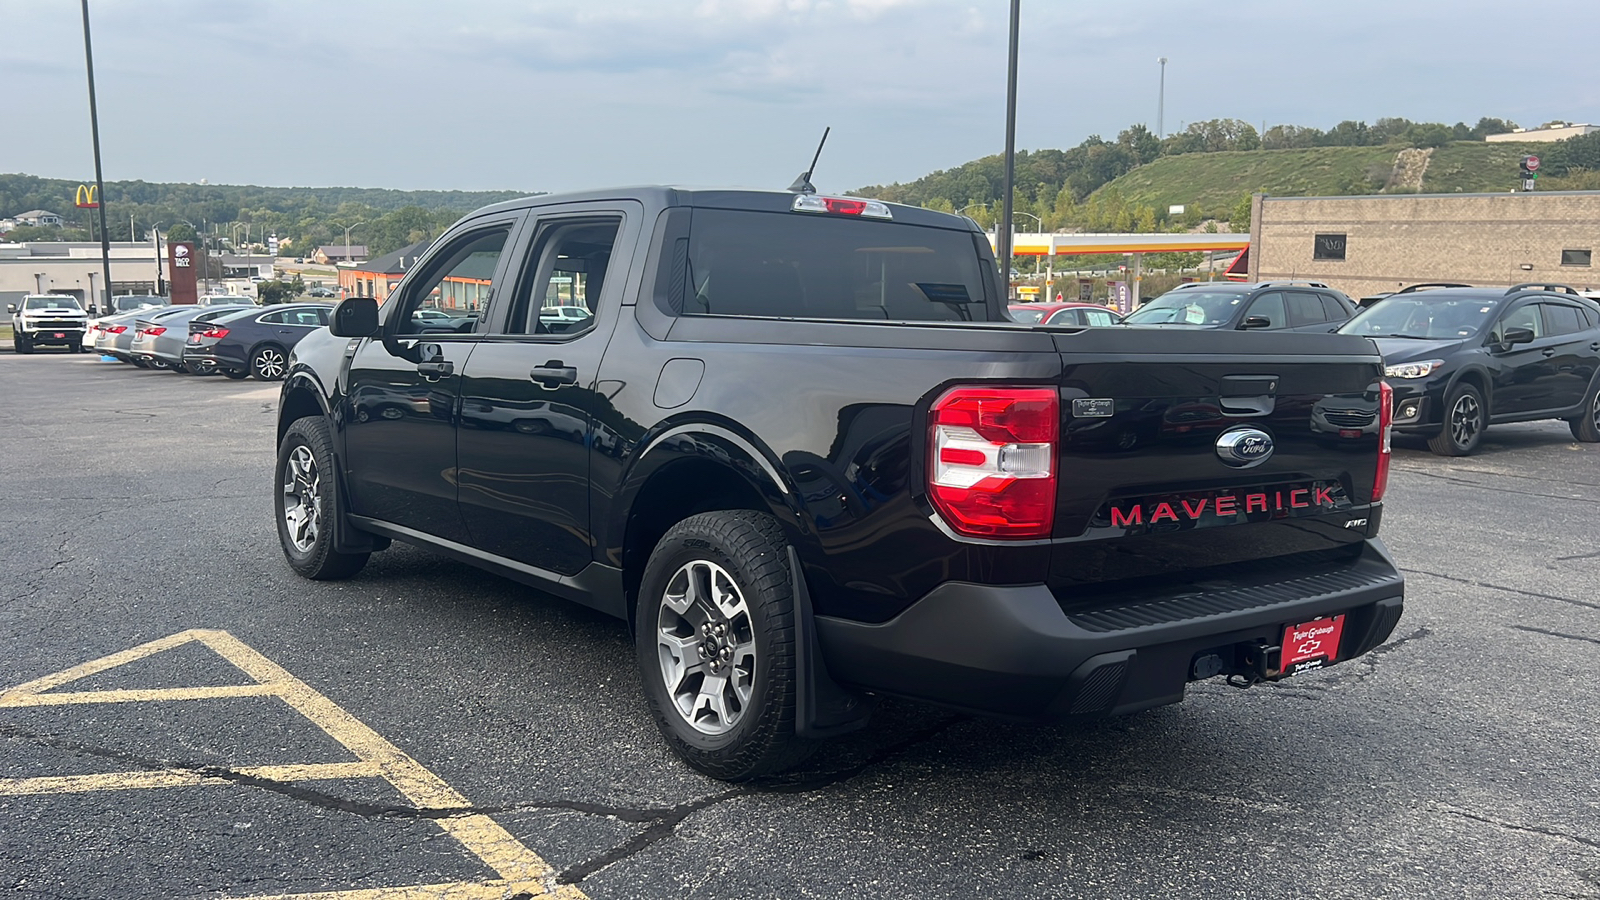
429, 730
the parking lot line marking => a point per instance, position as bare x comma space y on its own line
522, 872
165, 778
64, 698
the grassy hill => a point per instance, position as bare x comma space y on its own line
1215, 181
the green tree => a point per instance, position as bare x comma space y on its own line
1240, 217
273, 292
182, 232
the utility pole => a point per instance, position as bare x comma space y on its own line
1161, 101
99, 179
1002, 236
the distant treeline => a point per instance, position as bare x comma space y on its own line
304, 217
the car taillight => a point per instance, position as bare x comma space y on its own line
992, 460
117, 329
1380, 480
214, 333
841, 206
156, 331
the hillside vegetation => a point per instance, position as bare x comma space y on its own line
1215, 181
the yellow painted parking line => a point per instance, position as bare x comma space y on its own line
165, 778
522, 872
64, 698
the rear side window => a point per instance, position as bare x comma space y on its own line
1305, 309
1561, 319
798, 265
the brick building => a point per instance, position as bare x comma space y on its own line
1363, 245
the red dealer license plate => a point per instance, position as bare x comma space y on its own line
1312, 645
61, 334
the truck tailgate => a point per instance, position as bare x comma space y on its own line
1147, 487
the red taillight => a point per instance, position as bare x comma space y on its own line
215, 332
117, 329
156, 331
1380, 480
992, 460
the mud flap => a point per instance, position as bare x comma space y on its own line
823, 708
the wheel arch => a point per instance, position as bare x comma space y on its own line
688, 470
300, 397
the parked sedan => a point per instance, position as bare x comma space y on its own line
1462, 359
252, 341
1071, 314
114, 334
159, 339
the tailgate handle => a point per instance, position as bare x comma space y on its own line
1248, 395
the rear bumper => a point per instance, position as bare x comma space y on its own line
1011, 651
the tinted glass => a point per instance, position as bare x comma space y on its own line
1271, 307
1408, 315
1066, 317
1027, 315
804, 265
1188, 307
1333, 309
566, 273
1305, 309
1559, 319
458, 282
1526, 316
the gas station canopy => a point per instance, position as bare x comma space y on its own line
1026, 244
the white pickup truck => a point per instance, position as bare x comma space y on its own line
45, 319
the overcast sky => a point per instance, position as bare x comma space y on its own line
566, 94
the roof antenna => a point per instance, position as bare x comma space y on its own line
802, 184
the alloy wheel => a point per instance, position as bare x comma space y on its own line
302, 501
269, 364
706, 646
1466, 420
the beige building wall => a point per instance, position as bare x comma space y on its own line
1395, 240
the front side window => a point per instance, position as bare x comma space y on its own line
560, 290
1526, 316
1269, 306
801, 265
457, 284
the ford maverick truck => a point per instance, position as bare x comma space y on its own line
795, 442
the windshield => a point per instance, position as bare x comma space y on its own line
1191, 307
1438, 318
1026, 315
61, 302
132, 303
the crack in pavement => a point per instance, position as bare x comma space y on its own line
1570, 637
663, 821
1528, 829
1478, 485
1498, 587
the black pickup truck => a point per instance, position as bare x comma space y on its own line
797, 444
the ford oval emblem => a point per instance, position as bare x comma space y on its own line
1244, 447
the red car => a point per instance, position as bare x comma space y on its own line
1079, 314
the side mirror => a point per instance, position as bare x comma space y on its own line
355, 317
1517, 336
1256, 322
11, 307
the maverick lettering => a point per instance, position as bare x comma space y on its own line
1225, 506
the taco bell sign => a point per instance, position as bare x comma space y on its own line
181, 266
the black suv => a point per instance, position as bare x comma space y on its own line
1460, 359
1269, 305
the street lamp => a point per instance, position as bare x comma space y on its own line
1161, 100
1033, 217
155, 236
347, 230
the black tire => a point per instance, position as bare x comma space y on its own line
1586, 427
21, 344
235, 374
308, 510
269, 363
1465, 417
736, 739
76, 348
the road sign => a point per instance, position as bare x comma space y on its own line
1531, 163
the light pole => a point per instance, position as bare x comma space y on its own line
1041, 231
1161, 101
347, 230
155, 236
99, 179
1003, 233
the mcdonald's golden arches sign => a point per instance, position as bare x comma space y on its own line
88, 197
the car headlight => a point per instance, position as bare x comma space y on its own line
1413, 369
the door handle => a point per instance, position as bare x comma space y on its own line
1548, 352
1595, 346
434, 370
553, 374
